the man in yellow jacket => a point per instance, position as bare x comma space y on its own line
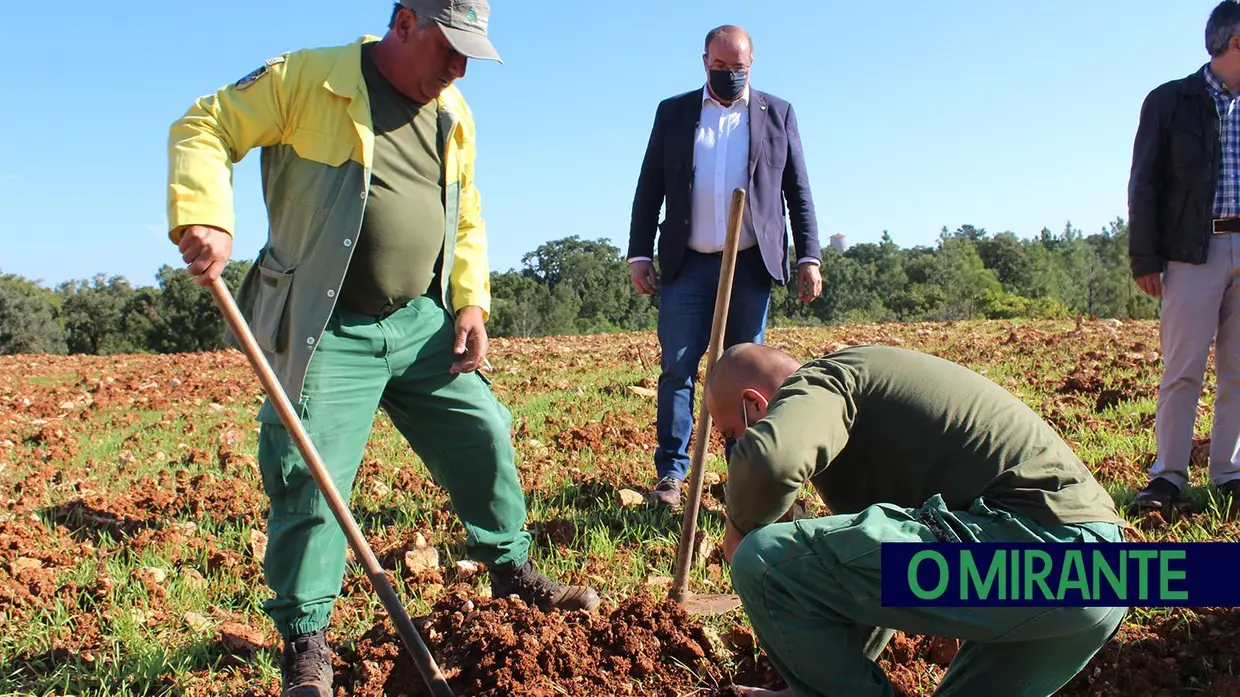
371, 291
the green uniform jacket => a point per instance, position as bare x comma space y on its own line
309, 111
874, 424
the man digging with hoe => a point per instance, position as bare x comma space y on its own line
372, 291
902, 447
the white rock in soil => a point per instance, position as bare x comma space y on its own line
419, 560
631, 499
153, 574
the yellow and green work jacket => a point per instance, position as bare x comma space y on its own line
309, 111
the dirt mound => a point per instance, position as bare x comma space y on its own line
1195, 649
489, 648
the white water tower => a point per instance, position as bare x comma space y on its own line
839, 243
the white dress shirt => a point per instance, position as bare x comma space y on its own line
720, 166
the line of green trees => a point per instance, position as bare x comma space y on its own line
576, 286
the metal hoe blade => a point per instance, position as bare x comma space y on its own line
711, 603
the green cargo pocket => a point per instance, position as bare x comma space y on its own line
270, 301
285, 475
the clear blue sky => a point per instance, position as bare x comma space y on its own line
915, 115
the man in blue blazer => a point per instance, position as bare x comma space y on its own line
705, 144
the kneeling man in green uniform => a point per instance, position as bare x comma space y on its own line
902, 446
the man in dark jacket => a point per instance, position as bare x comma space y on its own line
705, 144
1184, 247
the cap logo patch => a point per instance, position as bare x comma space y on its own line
471, 19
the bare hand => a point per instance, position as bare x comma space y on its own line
809, 282
1150, 284
644, 281
731, 540
206, 249
471, 340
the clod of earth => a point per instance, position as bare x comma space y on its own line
631, 499
489, 648
197, 622
258, 544
420, 560
239, 638
152, 575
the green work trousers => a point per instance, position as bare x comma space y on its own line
453, 422
812, 591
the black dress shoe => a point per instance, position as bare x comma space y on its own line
1231, 490
1159, 493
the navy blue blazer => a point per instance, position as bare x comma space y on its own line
776, 173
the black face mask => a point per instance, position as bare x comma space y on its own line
727, 84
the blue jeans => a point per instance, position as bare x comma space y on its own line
686, 313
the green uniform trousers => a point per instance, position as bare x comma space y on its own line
812, 591
454, 423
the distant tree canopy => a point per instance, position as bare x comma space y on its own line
971, 274
107, 315
569, 286
576, 286
28, 318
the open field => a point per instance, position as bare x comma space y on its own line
132, 521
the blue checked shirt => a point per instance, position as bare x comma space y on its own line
1227, 193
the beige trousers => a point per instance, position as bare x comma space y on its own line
1200, 307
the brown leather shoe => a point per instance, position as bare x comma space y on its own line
306, 665
666, 493
538, 590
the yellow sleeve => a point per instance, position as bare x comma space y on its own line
471, 276
216, 132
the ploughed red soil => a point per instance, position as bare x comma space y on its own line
60, 509
493, 647
645, 646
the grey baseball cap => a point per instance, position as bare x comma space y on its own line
464, 23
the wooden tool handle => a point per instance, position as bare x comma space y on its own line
400, 618
697, 471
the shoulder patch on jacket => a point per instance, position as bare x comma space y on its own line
258, 72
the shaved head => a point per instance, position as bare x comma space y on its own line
742, 383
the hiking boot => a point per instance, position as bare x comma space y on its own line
307, 666
1159, 493
536, 589
666, 493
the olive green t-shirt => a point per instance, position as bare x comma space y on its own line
875, 424
398, 252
